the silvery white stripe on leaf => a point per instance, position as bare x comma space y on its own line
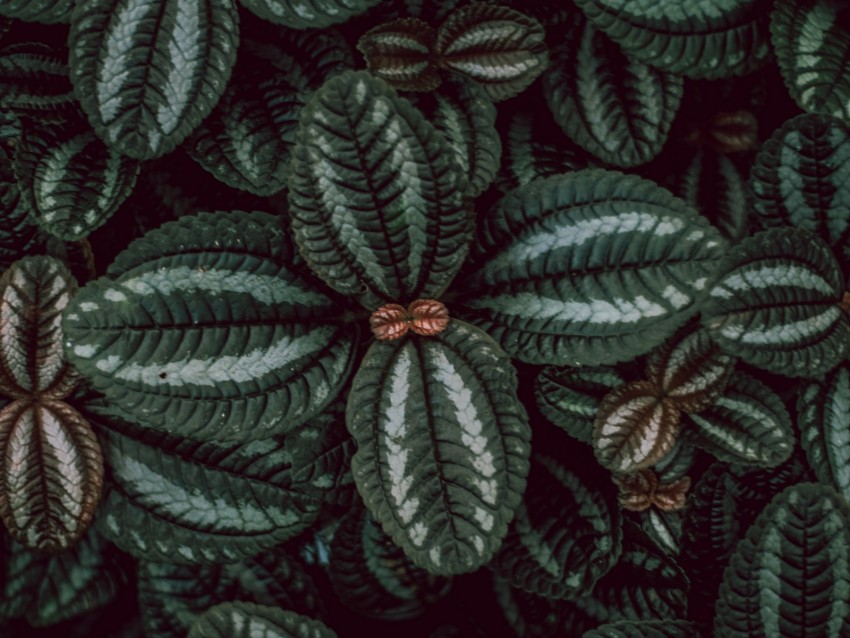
308, 14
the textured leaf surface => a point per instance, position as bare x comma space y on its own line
376, 195
789, 576
777, 304
612, 105
501, 49
52, 474
443, 482
34, 292
21, 573
801, 178
591, 267
148, 71
211, 327
648, 629
812, 43
400, 52
308, 14
72, 181
708, 39
663, 528
565, 535
48, 11
33, 77
18, 234
634, 427
570, 397
747, 425
248, 620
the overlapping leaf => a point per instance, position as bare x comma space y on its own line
500, 48
308, 14
400, 52
48, 11
789, 576
710, 39
247, 620
648, 629
377, 196
612, 105
801, 177
211, 327
591, 267
812, 43
443, 481
663, 528
147, 72
33, 77
777, 305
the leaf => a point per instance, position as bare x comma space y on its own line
209, 327
376, 195
800, 178
400, 53
747, 425
47, 11
71, 180
663, 528
500, 48
528, 614
52, 473
570, 397
634, 427
308, 14
789, 575
690, 370
777, 305
172, 596
612, 105
823, 409
33, 77
246, 620
443, 483
21, 574
146, 73
588, 268
811, 39
565, 536
711, 39
648, 629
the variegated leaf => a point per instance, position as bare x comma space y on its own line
72, 181
677, 462
172, 596
747, 425
664, 528
777, 306
51, 473
500, 48
589, 268
648, 629
812, 43
634, 427
823, 409
33, 77
211, 327
789, 576
565, 535
690, 369
801, 178
308, 14
401, 53
570, 397
249, 620
148, 71
709, 39
443, 483
48, 11
34, 292
617, 108
376, 195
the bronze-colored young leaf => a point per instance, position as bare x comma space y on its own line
51, 473
33, 293
498, 47
400, 53
634, 427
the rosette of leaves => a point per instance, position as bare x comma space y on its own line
51, 467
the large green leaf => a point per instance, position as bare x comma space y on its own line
48, 11
148, 71
308, 14
376, 194
705, 39
612, 105
812, 43
790, 575
211, 327
249, 620
778, 304
589, 268
443, 445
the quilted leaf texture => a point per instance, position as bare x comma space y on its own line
47, 11
400, 52
308, 14
249, 620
